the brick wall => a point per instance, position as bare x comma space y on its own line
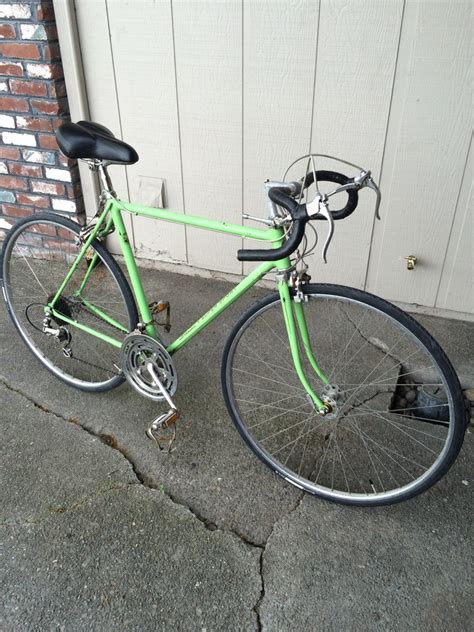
34, 175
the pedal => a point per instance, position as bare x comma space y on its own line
158, 307
163, 429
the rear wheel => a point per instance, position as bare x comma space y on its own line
37, 254
397, 416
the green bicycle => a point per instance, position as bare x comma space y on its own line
336, 390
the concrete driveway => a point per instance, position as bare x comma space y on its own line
102, 532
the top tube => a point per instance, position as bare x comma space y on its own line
262, 234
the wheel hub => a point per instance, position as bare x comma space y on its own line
333, 399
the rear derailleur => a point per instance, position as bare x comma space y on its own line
61, 333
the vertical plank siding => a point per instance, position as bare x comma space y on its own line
279, 60
356, 62
208, 47
426, 148
218, 95
146, 91
456, 290
99, 75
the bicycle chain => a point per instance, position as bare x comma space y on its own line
74, 305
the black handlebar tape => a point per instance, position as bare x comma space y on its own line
337, 178
281, 196
288, 248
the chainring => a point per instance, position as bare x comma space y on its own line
139, 349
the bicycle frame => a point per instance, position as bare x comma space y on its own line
110, 218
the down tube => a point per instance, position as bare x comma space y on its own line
286, 304
222, 305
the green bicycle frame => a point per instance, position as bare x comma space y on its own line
110, 218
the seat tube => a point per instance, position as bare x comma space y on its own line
143, 308
290, 324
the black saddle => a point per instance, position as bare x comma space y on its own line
91, 140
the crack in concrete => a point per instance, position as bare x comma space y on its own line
256, 607
263, 548
371, 342
112, 442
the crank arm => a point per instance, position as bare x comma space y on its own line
151, 370
163, 429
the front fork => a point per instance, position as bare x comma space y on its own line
295, 323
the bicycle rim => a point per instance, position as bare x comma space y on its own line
36, 257
396, 421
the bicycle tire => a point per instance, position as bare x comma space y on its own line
323, 296
26, 234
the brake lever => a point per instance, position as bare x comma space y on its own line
371, 185
364, 179
320, 206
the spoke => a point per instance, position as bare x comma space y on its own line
294, 444
262, 360
260, 406
304, 451
378, 458
279, 415
398, 375
343, 468
364, 442
367, 342
298, 423
86, 341
283, 342
351, 397
298, 438
326, 450
395, 425
384, 383
263, 377
33, 273
259, 388
276, 366
388, 452
356, 475
334, 458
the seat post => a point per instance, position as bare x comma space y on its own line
105, 181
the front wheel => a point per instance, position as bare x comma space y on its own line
397, 416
